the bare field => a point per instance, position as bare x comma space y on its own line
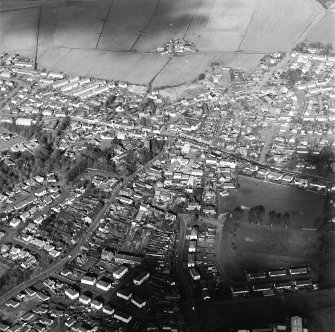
129, 67
277, 24
324, 31
18, 31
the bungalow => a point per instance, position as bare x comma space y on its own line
303, 283
282, 285
70, 322
243, 290
277, 273
262, 288
298, 270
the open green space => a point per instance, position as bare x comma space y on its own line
304, 207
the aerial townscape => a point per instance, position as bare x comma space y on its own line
206, 206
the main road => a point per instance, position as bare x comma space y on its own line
186, 286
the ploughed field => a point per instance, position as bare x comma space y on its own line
117, 39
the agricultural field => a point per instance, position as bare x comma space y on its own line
117, 39
72, 25
129, 67
250, 247
219, 26
18, 31
277, 24
324, 30
187, 68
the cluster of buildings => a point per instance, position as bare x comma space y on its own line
274, 282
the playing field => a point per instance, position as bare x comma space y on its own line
304, 207
76, 36
251, 247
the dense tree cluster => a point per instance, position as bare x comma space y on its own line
12, 278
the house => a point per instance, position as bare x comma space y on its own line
304, 283
126, 318
84, 299
103, 285
71, 293
124, 294
96, 305
120, 272
190, 260
194, 233
138, 280
108, 310
192, 246
88, 280
194, 274
127, 259
12, 303
140, 303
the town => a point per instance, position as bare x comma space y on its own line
116, 202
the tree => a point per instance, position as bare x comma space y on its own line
237, 214
286, 219
201, 76
279, 219
256, 214
272, 217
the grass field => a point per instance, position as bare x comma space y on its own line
324, 30
250, 247
304, 207
73, 34
255, 312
